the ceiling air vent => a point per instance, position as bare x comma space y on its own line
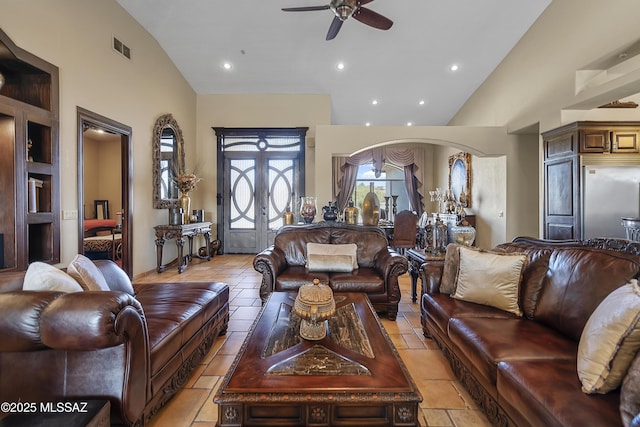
121, 48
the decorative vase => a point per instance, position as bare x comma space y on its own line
351, 213
330, 212
185, 204
371, 208
287, 216
308, 208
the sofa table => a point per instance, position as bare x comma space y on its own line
179, 232
416, 258
353, 376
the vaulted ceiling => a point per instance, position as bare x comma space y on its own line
406, 69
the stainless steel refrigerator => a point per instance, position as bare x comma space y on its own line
609, 193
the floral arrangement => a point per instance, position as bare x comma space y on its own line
186, 182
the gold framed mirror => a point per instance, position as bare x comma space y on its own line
460, 178
168, 160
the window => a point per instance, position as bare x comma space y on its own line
390, 183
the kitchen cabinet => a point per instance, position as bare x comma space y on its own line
608, 137
29, 143
566, 150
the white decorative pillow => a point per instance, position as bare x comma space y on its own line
41, 276
87, 274
610, 340
490, 278
330, 263
349, 249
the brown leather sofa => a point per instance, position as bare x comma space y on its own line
283, 264
133, 345
522, 371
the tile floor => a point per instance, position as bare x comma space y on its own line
445, 402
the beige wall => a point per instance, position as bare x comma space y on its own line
76, 37
539, 85
102, 176
224, 110
492, 149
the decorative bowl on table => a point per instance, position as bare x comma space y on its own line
463, 234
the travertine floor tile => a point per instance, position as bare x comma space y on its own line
468, 419
181, 410
440, 394
446, 403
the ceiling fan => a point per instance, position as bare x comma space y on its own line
343, 9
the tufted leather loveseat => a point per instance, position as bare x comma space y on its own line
133, 345
283, 264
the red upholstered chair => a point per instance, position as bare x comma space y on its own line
405, 228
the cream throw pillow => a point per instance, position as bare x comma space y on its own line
348, 249
330, 263
87, 274
610, 340
490, 279
41, 276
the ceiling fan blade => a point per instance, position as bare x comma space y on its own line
372, 19
336, 24
305, 8
363, 2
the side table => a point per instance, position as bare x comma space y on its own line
179, 232
416, 258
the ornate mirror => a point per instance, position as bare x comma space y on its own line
168, 160
460, 178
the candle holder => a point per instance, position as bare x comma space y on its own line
395, 206
439, 196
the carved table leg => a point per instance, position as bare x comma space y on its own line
207, 240
159, 247
413, 272
183, 261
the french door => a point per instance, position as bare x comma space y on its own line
262, 175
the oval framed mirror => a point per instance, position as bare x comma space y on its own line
168, 160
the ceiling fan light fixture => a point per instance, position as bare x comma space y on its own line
343, 8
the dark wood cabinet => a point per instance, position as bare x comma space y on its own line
29, 166
564, 150
608, 137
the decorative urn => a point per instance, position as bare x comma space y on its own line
330, 212
314, 304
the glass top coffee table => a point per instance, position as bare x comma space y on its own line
354, 376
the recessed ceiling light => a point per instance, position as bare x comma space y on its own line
454, 67
367, 124
227, 66
409, 124
374, 102
340, 65
421, 102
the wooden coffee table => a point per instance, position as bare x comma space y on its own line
352, 377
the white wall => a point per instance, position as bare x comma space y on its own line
76, 37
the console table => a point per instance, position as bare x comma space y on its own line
179, 232
416, 258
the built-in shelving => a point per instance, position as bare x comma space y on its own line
29, 229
